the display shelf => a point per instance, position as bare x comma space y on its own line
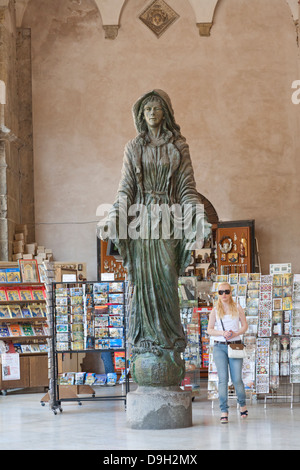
87, 317
15, 315
272, 307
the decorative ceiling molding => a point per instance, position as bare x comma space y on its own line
295, 7
110, 11
158, 16
204, 11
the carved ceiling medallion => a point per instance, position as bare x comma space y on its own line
158, 16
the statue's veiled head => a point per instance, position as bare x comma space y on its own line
162, 97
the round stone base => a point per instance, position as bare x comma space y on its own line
159, 408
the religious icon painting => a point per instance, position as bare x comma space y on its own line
277, 292
287, 291
254, 277
233, 278
253, 285
242, 290
277, 304
29, 270
158, 16
234, 290
277, 280
287, 279
243, 278
233, 257
287, 303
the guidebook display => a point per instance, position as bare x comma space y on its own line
272, 307
24, 326
23, 317
89, 317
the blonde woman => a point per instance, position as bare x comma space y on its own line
235, 324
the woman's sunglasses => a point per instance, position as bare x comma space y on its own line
226, 291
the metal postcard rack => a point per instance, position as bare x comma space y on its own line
60, 393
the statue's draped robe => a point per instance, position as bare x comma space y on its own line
159, 173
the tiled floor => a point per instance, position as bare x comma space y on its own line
26, 424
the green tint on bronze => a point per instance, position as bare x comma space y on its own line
156, 170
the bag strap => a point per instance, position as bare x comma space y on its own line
223, 329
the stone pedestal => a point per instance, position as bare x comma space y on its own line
159, 408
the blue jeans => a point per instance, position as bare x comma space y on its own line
222, 361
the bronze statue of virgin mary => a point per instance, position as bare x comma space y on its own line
157, 174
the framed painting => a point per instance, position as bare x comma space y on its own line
29, 270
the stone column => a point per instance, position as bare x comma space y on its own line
16, 154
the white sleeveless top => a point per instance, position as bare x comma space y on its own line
230, 323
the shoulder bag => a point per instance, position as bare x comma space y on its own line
235, 350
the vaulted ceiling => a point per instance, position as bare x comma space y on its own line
111, 10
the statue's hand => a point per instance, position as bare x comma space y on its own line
103, 230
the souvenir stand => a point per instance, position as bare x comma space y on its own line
272, 307
87, 317
280, 330
24, 330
